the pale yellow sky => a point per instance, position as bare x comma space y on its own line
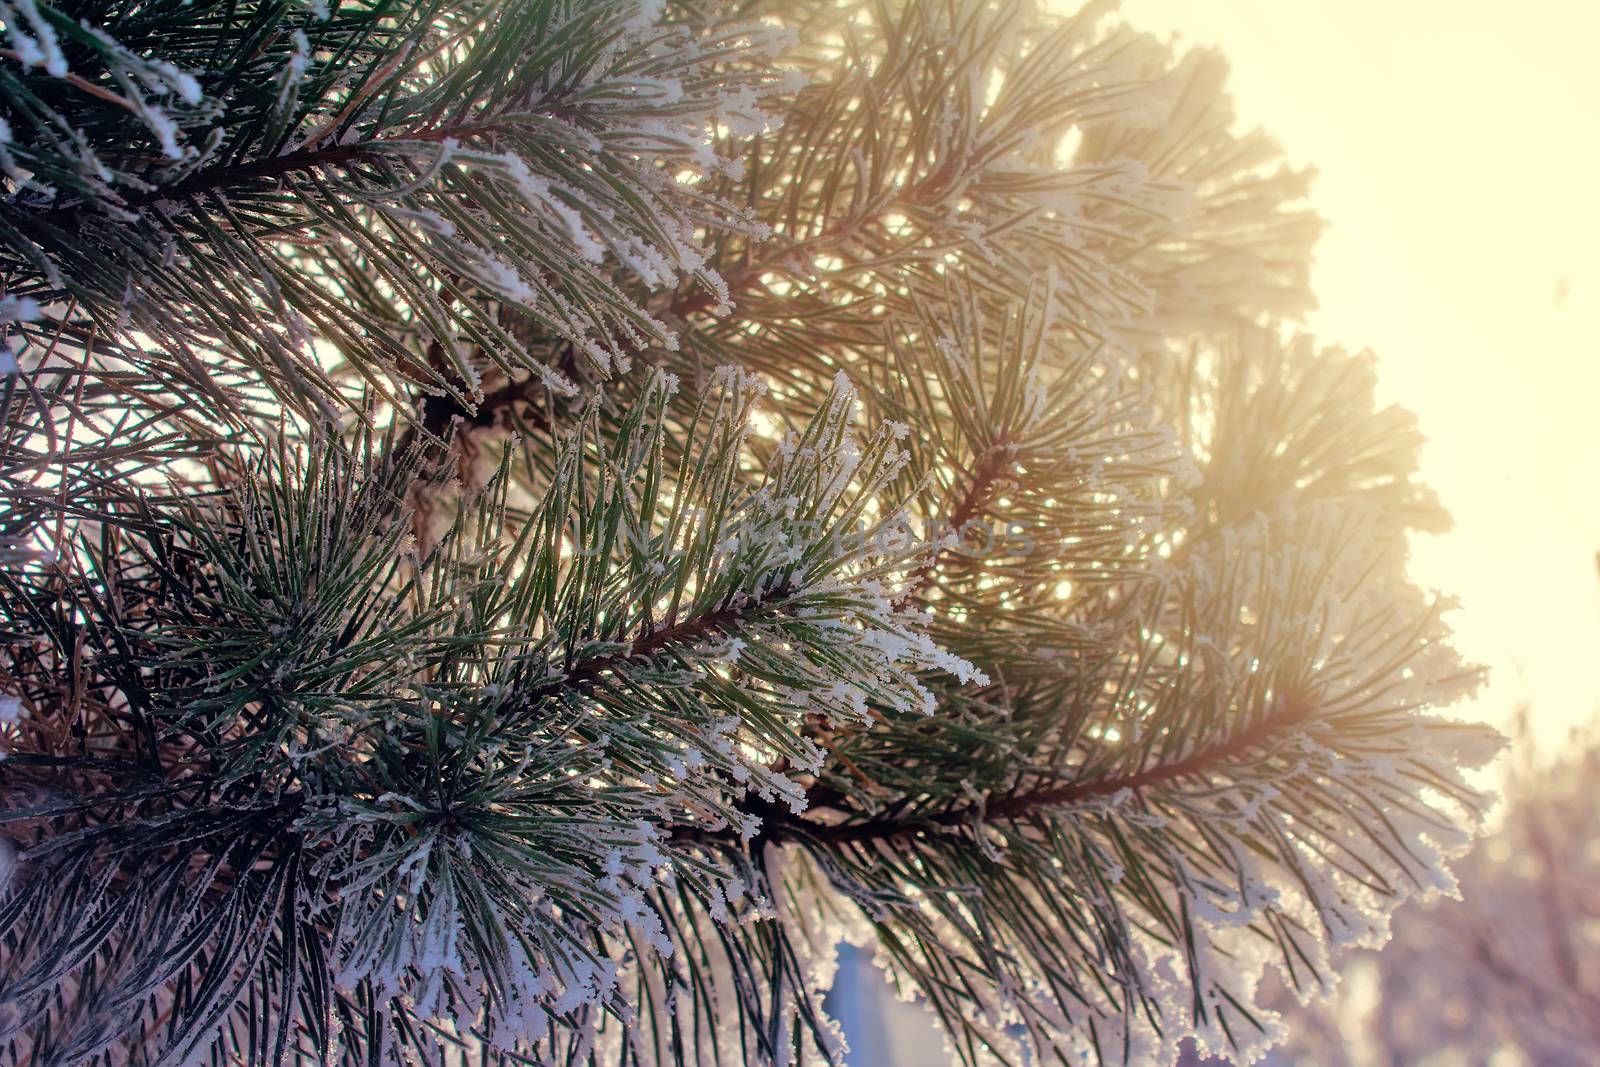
1456, 145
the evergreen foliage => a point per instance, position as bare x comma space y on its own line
527, 521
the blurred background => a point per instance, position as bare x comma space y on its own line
1456, 148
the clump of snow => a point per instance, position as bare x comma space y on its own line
43, 47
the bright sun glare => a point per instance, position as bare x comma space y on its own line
1455, 150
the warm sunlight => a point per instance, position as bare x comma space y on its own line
1455, 151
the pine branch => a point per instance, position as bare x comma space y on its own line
233, 177
555, 163
439, 411
676, 636
1207, 763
